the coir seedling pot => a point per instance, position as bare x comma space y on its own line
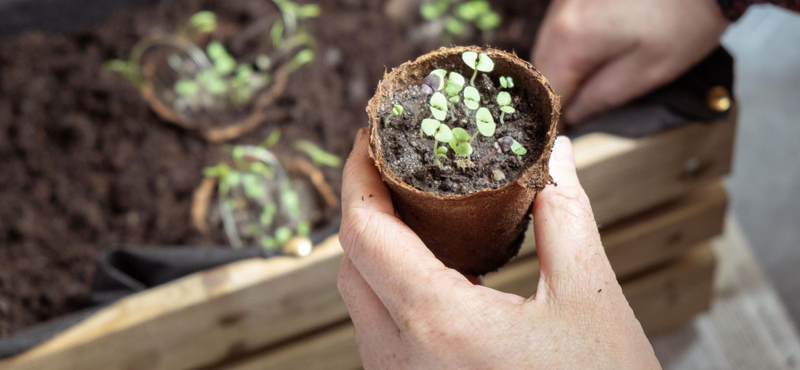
462, 137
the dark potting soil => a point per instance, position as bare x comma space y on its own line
85, 165
411, 156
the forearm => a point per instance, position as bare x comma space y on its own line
734, 9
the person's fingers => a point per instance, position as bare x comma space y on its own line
389, 255
568, 244
567, 52
616, 83
374, 325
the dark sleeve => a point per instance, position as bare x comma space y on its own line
734, 9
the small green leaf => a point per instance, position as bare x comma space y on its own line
186, 88
472, 98
303, 228
272, 139
454, 26
439, 101
489, 21
518, 149
463, 149
459, 135
439, 114
282, 235
212, 82
506, 82
471, 10
485, 121
429, 126
508, 109
397, 109
204, 21
268, 214
431, 11
441, 150
302, 58
455, 99
503, 98
470, 57
485, 64
319, 156
308, 11
216, 50
444, 134
268, 242
455, 82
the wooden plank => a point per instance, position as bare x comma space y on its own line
266, 302
661, 300
625, 176
207, 317
202, 318
748, 327
661, 234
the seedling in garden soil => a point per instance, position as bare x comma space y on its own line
317, 155
257, 202
459, 18
440, 132
447, 90
506, 82
214, 79
504, 101
478, 62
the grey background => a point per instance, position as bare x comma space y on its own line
765, 185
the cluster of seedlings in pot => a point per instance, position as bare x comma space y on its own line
256, 199
448, 91
459, 18
213, 78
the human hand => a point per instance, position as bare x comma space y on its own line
412, 312
600, 54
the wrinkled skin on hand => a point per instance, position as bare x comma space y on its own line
599, 54
411, 312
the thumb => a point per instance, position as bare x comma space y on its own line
571, 256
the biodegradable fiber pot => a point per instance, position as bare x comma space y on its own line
477, 232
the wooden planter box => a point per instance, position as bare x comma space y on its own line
286, 313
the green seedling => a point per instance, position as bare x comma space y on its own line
453, 86
439, 106
204, 21
213, 78
318, 156
461, 142
504, 100
485, 123
460, 17
507, 82
478, 62
440, 133
472, 98
271, 140
397, 110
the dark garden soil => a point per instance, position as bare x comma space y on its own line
410, 156
86, 165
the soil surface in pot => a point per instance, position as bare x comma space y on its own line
85, 164
411, 156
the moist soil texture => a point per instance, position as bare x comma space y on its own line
86, 165
411, 156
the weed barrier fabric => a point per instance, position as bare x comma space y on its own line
132, 269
